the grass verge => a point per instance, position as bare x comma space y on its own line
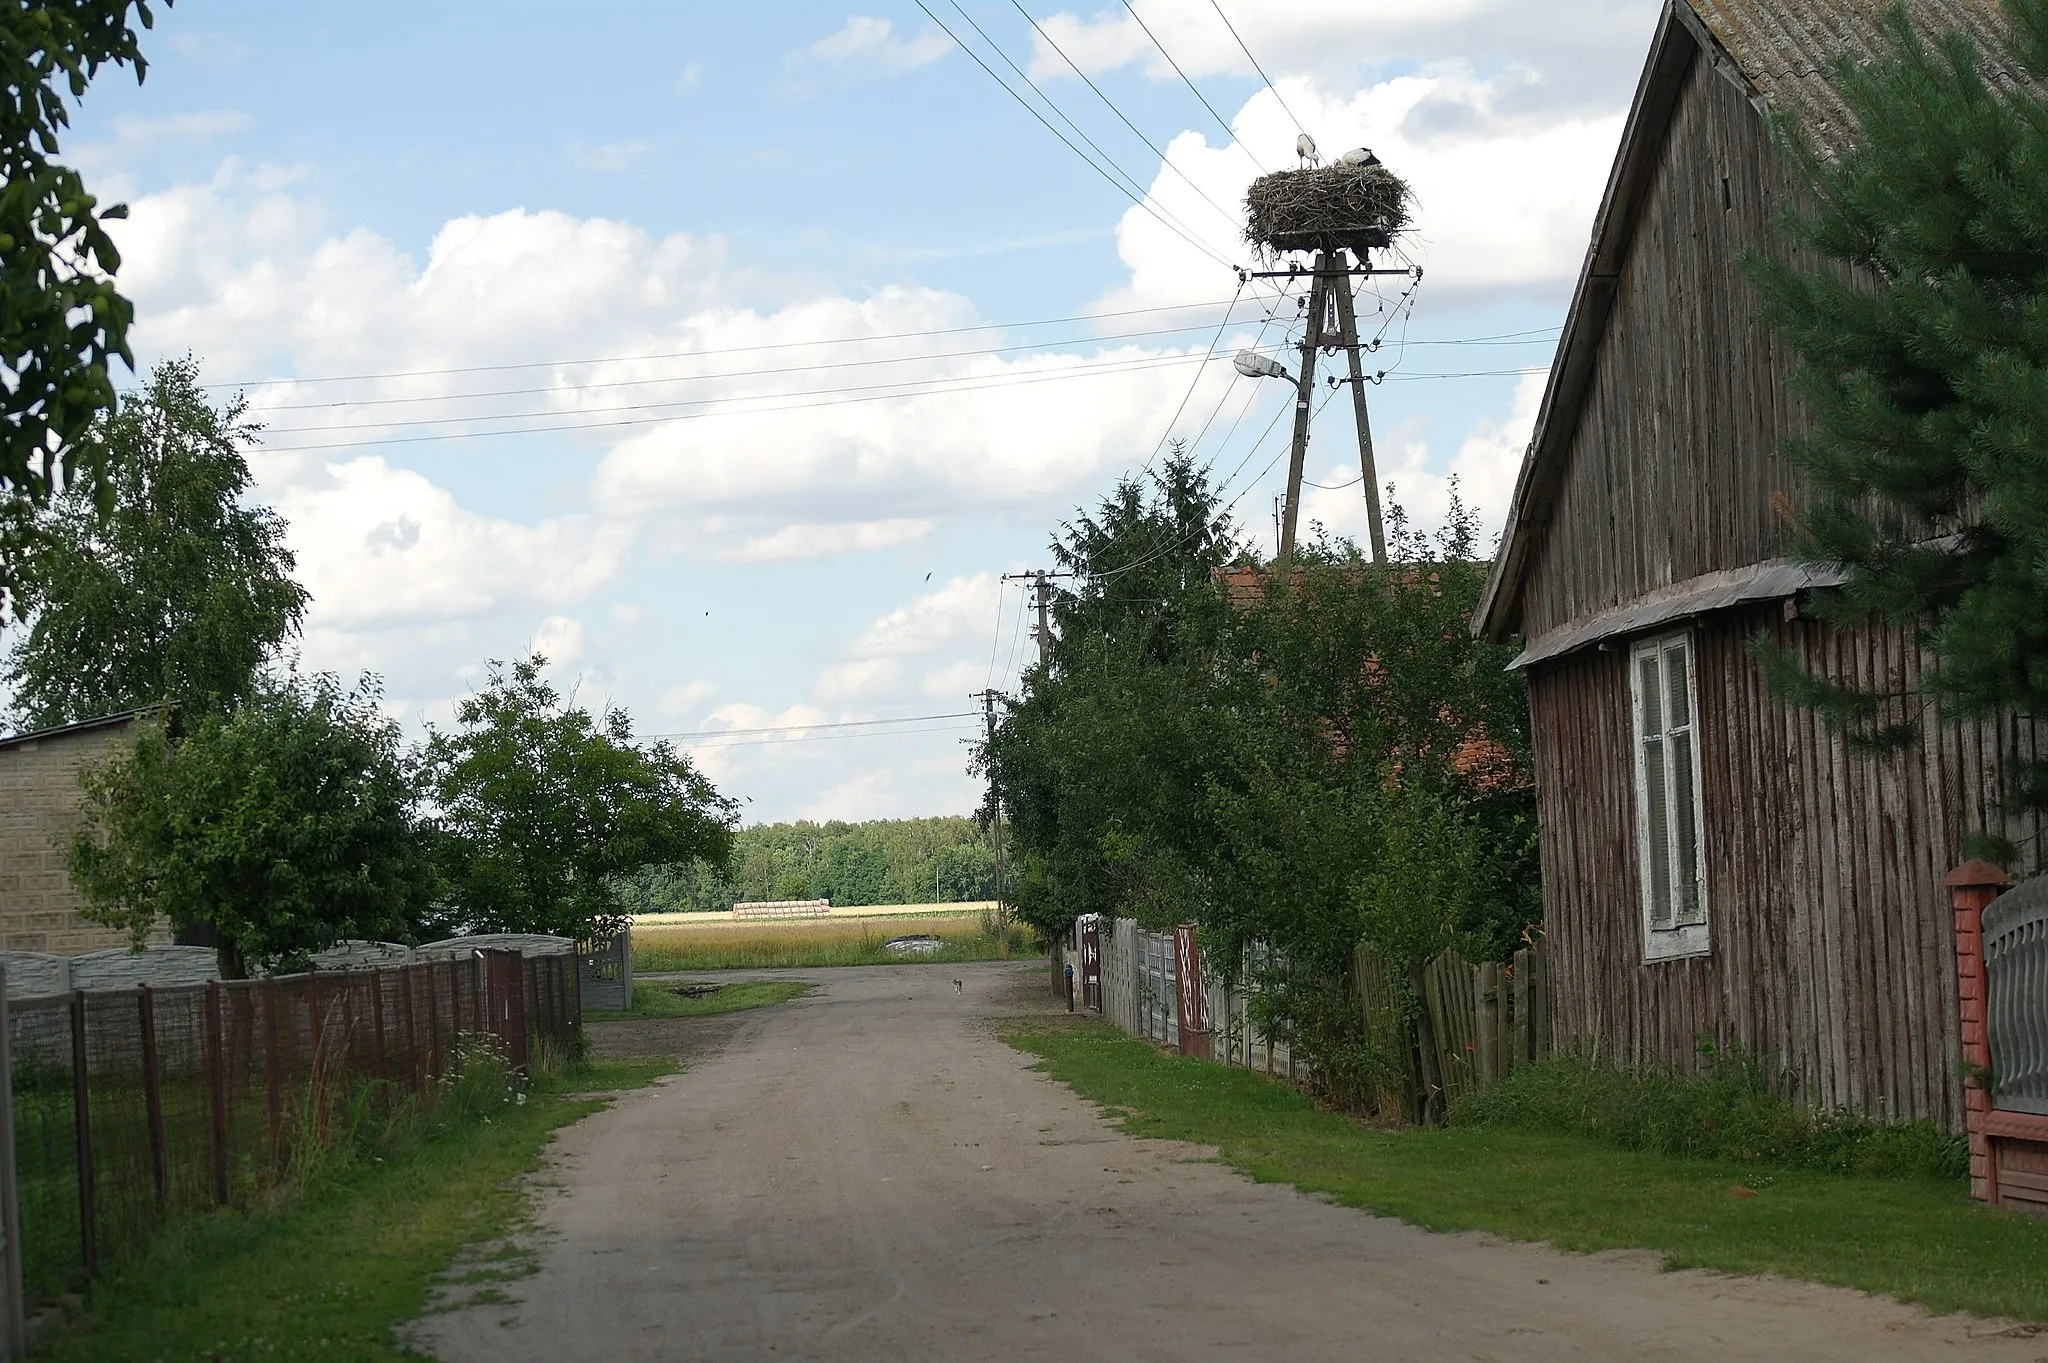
812, 942
332, 1274
1921, 1239
663, 999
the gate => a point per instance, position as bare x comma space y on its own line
1091, 966
505, 1003
2016, 1012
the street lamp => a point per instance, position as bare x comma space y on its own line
1253, 365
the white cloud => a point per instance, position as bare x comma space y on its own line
1501, 200
560, 640
692, 76
1487, 460
823, 541
609, 159
380, 547
871, 43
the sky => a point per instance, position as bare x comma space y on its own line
731, 356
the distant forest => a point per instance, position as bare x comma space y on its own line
885, 861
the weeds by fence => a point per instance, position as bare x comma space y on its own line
132, 1106
1444, 1033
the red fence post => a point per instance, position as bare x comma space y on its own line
81, 1120
217, 1090
1972, 886
152, 1090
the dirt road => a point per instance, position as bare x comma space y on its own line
867, 1174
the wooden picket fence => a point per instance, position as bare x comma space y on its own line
1480, 1021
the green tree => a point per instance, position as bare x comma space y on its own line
178, 590
286, 826
61, 320
545, 810
1304, 760
1915, 304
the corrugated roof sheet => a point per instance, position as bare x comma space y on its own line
1784, 46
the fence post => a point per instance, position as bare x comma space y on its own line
10, 1192
1432, 1105
273, 1082
1486, 1021
1972, 886
81, 1122
1539, 1000
152, 1087
217, 1089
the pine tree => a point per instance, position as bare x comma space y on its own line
1921, 344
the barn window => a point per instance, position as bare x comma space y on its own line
1668, 798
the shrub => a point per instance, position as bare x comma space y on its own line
1731, 1111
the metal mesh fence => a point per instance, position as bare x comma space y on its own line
133, 1105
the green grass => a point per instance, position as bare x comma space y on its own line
1921, 1239
1733, 1110
653, 999
329, 1275
815, 942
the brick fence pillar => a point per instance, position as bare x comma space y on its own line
1971, 888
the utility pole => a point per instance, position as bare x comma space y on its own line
1041, 583
1304, 388
1347, 325
988, 710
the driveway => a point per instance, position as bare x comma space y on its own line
868, 1174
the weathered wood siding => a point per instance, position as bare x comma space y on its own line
1674, 455
1832, 940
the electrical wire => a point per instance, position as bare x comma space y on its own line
1151, 146
1194, 382
864, 394
1298, 126
1136, 199
826, 738
415, 399
720, 350
1229, 135
823, 724
1141, 191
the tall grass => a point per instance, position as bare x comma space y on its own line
815, 942
1732, 1111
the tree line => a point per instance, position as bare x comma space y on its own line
271, 811
881, 861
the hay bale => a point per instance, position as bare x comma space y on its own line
1324, 208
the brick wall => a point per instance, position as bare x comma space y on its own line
38, 813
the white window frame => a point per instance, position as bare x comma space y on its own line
1676, 927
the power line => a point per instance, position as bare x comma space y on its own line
729, 373
824, 738
831, 724
1139, 201
1047, 100
1298, 127
1112, 106
720, 350
864, 394
1193, 383
1230, 137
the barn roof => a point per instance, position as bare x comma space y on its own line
1777, 52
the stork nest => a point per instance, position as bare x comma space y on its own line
1324, 208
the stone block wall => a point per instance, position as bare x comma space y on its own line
38, 814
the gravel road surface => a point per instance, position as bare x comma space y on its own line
868, 1174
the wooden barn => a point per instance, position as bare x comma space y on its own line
1716, 864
